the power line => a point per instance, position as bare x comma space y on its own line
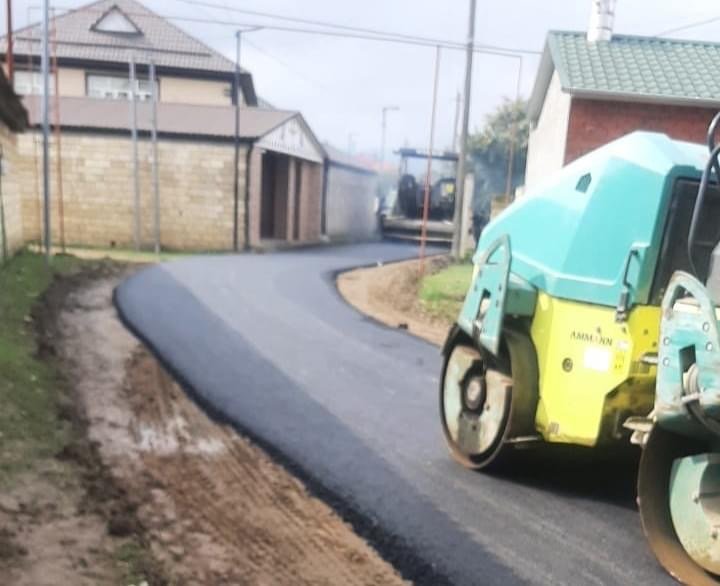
689, 26
379, 37
332, 25
287, 66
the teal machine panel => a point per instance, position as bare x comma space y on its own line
561, 240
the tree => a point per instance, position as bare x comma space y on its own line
508, 127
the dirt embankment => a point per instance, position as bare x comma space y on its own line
390, 294
210, 507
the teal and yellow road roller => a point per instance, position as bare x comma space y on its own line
592, 319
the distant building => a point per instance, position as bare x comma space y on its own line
279, 194
594, 87
351, 197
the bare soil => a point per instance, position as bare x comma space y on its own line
183, 499
65, 520
390, 294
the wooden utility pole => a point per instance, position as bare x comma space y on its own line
10, 57
458, 103
155, 168
460, 180
136, 169
58, 140
45, 63
428, 176
236, 176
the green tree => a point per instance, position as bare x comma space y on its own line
508, 127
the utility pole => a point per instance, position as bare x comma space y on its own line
10, 58
236, 182
460, 181
458, 102
136, 171
385, 110
45, 65
155, 179
513, 138
428, 178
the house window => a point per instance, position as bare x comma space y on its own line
117, 88
30, 83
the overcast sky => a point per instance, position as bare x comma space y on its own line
341, 85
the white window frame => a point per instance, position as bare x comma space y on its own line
30, 83
116, 87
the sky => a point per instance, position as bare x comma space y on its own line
341, 85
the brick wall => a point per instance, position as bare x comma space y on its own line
594, 123
12, 191
196, 192
311, 197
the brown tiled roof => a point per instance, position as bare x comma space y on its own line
159, 39
177, 119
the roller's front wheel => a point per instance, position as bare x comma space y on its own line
475, 408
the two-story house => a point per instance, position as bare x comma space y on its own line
275, 196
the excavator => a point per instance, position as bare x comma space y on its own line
592, 320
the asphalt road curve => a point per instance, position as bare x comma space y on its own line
266, 343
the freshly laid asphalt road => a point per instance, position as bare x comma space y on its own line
266, 342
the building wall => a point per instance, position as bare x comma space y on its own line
71, 82
594, 123
547, 142
311, 201
310, 198
12, 192
194, 91
196, 192
351, 202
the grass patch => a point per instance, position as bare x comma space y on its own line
117, 254
442, 293
137, 565
29, 426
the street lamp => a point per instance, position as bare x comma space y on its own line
385, 110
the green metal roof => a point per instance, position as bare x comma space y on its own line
637, 65
631, 67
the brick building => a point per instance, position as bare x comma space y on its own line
593, 88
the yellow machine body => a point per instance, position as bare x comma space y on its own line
591, 376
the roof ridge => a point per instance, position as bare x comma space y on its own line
651, 38
177, 28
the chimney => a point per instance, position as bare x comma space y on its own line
602, 19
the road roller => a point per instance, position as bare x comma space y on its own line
592, 320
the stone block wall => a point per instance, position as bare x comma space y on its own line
11, 192
196, 192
